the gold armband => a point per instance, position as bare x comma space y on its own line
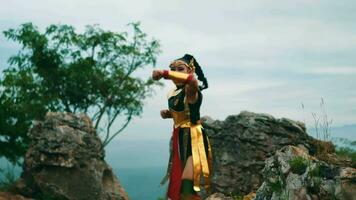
177, 76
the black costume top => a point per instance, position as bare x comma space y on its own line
177, 103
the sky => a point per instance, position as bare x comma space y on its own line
260, 56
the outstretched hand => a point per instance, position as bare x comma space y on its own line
157, 74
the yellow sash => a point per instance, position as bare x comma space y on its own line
202, 164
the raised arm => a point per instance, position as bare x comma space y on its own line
191, 83
191, 90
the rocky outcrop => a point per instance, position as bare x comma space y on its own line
241, 144
219, 196
65, 160
10, 196
293, 174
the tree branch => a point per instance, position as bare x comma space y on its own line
100, 116
107, 141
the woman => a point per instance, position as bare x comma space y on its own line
190, 161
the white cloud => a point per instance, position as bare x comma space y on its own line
329, 70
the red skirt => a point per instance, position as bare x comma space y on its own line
177, 170
177, 161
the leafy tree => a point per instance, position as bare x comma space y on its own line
63, 70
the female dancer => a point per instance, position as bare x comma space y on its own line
190, 161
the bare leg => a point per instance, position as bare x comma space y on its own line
188, 169
187, 180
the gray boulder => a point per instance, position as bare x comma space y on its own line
65, 161
242, 142
218, 196
293, 174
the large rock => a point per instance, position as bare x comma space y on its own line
293, 174
241, 144
218, 196
65, 160
10, 196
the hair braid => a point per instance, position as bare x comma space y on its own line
201, 76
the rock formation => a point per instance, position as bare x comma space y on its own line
241, 144
10, 196
218, 196
65, 160
251, 152
293, 174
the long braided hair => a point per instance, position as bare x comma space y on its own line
192, 62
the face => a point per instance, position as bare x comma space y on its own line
180, 68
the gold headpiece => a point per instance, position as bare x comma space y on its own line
181, 62
191, 64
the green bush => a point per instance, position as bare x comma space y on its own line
276, 186
315, 172
346, 152
298, 165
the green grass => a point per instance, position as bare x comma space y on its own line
346, 152
298, 165
236, 196
276, 186
316, 172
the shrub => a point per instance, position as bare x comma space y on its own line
298, 165
348, 153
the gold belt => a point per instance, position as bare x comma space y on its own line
201, 163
